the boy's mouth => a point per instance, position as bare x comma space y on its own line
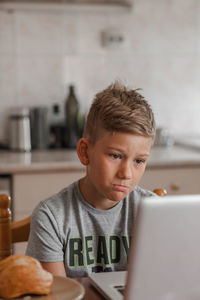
120, 188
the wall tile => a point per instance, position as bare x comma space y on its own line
82, 33
176, 90
39, 80
6, 33
198, 27
88, 75
165, 26
7, 91
38, 33
135, 70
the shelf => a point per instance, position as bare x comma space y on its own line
61, 4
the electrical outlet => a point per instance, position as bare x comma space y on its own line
113, 38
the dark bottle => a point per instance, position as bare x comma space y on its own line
56, 128
72, 112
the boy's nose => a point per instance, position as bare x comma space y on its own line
125, 171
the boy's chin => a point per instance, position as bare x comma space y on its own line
117, 199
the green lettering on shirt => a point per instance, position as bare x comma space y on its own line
114, 249
126, 244
76, 252
88, 249
102, 253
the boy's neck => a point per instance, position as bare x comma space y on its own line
85, 190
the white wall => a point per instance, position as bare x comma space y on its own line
41, 52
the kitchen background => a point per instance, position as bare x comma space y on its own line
43, 50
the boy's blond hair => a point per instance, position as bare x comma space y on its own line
119, 109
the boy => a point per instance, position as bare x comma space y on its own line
87, 226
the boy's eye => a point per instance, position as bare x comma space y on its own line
140, 161
115, 156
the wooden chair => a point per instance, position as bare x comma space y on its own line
14, 232
11, 232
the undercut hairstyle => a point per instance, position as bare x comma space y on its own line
119, 109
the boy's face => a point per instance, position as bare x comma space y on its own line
116, 163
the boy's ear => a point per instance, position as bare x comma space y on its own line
82, 150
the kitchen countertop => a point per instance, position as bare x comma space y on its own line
174, 156
67, 160
39, 161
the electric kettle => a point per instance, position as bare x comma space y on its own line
19, 129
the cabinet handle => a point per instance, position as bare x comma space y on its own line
175, 187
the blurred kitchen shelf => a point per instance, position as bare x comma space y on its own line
106, 2
60, 5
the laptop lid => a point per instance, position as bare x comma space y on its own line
164, 262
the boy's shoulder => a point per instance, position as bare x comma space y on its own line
139, 193
61, 199
143, 192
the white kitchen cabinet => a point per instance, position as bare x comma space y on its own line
176, 180
30, 188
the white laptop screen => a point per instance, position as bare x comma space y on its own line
164, 263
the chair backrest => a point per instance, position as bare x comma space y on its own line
11, 232
14, 232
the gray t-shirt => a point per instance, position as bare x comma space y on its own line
66, 228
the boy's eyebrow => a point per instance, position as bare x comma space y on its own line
115, 148
120, 150
143, 154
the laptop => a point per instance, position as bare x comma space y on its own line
164, 260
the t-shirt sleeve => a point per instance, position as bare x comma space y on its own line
45, 243
138, 194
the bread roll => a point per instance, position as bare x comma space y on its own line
21, 274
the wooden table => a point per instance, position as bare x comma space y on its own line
90, 292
